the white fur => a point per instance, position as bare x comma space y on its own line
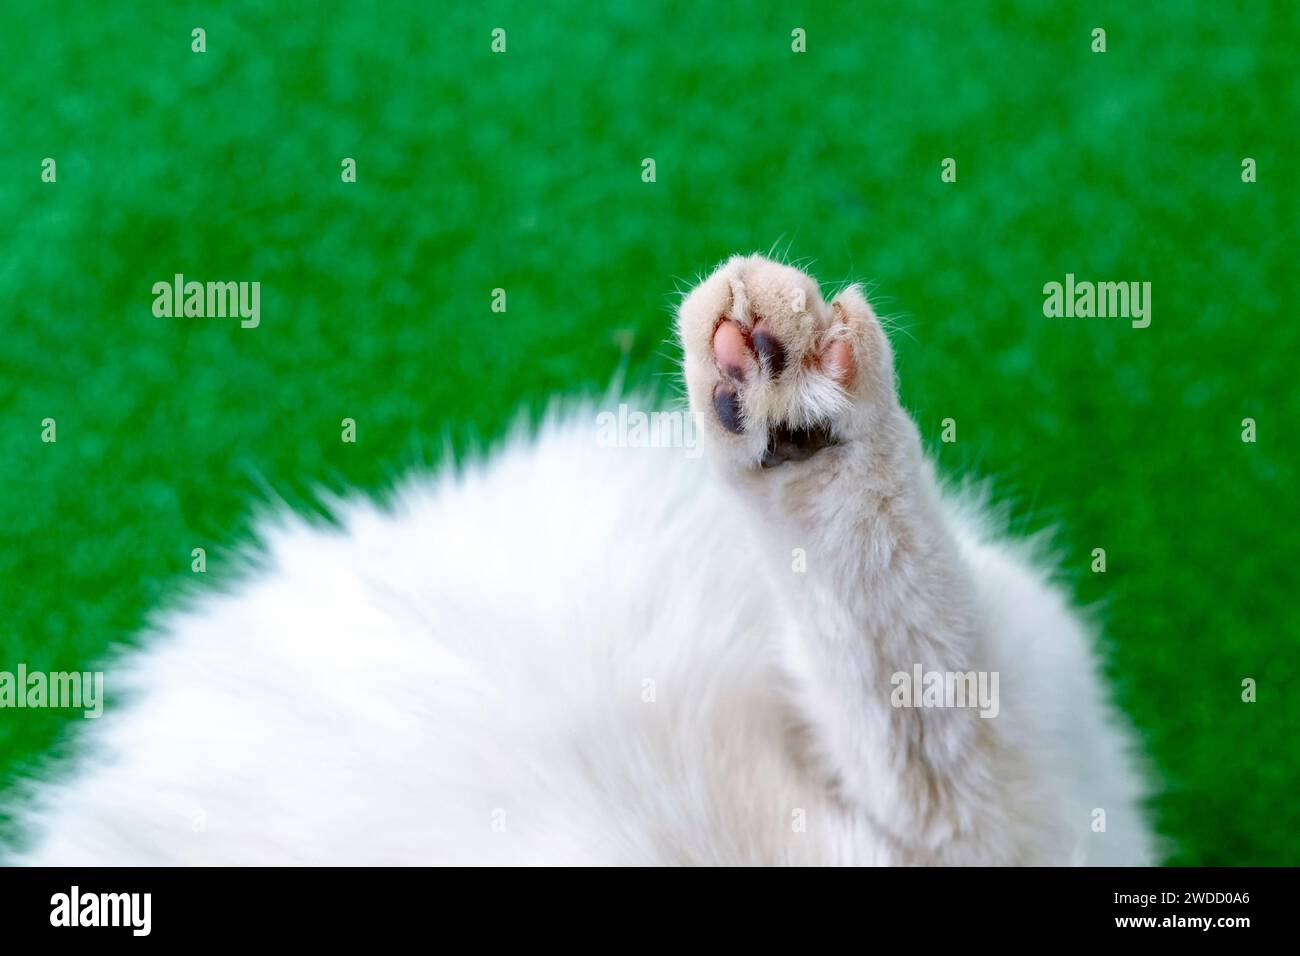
460, 676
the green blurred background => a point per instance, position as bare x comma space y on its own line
522, 171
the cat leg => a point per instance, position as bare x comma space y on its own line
798, 407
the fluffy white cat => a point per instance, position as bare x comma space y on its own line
577, 654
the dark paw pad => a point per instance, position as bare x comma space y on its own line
727, 404
770, 352
795, 444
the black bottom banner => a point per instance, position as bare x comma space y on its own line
333, 905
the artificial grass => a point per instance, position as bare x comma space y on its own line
522, 171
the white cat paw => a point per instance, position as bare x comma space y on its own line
776, 372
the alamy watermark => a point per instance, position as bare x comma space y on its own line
76, 690
1102, 300
75, 908
633, 428
922, 688
200, 300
